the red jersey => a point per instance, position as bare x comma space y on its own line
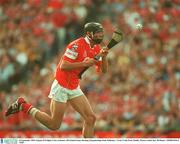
76, 51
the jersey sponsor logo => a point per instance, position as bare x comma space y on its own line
74, 47
71, 54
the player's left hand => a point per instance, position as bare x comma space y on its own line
104, 52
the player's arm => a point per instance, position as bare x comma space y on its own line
66, 65
69, 59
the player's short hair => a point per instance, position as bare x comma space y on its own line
93, 27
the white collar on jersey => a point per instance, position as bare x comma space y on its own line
87, 40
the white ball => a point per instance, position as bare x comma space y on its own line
139, 26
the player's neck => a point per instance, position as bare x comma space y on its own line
89, 41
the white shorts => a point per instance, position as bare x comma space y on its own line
61, 94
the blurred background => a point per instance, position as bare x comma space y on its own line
138, 97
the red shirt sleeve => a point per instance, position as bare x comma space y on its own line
71, 53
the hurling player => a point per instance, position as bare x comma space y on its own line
78, 56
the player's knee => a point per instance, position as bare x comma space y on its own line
91, 119
54, 126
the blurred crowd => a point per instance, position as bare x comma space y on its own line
140, 92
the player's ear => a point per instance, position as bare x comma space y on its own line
90, 34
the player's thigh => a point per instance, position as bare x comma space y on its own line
82, 105
57, 110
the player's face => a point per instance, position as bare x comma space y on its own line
98, 37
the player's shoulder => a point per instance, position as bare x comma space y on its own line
77, 42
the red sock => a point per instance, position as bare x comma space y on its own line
26, 107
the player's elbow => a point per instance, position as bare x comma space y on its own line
63, 67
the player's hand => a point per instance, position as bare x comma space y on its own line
89, 62
104, 52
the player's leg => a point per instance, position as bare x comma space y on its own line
57, 108
81, 105
52, 121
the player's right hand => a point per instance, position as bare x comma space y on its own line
89, 62
104, 52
